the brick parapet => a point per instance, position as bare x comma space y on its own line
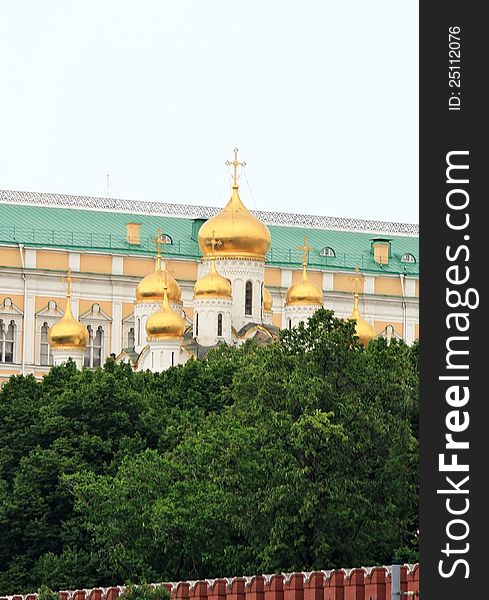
372, 583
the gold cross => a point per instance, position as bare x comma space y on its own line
69, 280
161, 239
235, 164
357, 279
213, 243
305, 249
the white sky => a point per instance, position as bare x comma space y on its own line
320, 96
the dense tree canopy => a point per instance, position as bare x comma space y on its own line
295, 456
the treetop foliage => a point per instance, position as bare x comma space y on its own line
299, 455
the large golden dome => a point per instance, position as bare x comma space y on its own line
150, 289
241, 234
363, 329
165, 323
212, 285
68, 332
304, 292
267, 300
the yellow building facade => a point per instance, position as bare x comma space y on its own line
109, 245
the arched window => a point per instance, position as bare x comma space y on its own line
46, 354
196, 324
130, 338
249, 299
7, 340
219, 325
327, 251
139, 331
408, 258
93, 353
290, 323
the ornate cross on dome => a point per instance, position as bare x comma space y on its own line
235, 164
213, 243
161, 239
357, 280
305, 249
69, 280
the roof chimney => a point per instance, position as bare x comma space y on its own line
133, 233
381, 249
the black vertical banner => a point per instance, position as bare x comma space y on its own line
454, 201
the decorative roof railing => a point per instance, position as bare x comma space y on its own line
205, 212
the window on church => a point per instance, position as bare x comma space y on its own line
130, 338
93, 353
196, 324
408, 258
249, 298
7, 340
219, 325
46, 354
290, 323
327, 251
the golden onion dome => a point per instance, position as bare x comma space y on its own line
363, 329
150, 289
304, 292
68, 332
267, 300
240, 234
165, 323
212, 285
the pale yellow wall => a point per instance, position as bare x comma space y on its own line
42, 302
17, 300
189, 311
183, 269
379, 327
52, 260
10, 257
345, 283
86, 305
138, 267
96, 263
388, 286
127, 309
277, 319
273, 277
314, 276
416, 332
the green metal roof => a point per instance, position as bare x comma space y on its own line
104, 231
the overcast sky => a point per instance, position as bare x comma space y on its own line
320, 97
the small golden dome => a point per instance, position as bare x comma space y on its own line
363, 329
150, 289
212, 285
267, 300
68, 332
304, 292
165, 323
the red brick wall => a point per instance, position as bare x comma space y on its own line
343, 584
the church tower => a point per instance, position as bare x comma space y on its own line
240, 258
213, 304
68, 337
363, 329
149, 293
303, 297
164, 331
